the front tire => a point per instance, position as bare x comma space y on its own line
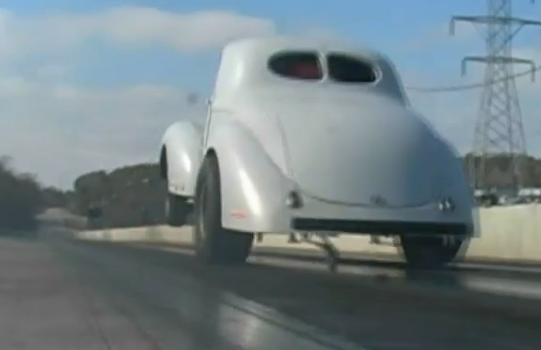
213, 242
430, 252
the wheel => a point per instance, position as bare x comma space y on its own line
429, 252
214, 243
177, 210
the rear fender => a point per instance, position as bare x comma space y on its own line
253, 187
183, 146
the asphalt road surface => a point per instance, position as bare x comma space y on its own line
58, 294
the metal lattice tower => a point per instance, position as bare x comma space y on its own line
499, 129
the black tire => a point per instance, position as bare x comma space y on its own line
213, 243
429, 252
177, 210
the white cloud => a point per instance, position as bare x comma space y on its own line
125, 26
62, 131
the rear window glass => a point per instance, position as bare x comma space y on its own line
348, 69
296, 65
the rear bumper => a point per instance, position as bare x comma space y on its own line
380, 227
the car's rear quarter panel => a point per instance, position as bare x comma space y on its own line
253, 187
183, 143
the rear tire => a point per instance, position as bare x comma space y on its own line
429, 252
213, 243
177, 210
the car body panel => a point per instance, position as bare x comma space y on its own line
338, 145
183, 143
253, 187
370, 147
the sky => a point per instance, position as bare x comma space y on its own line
88, 84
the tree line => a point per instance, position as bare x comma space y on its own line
135, 195
22, 197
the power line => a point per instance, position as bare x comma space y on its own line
473, 86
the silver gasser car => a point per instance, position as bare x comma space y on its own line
314, 137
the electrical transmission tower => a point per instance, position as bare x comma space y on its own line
499, 129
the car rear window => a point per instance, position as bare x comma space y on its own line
296, 65
348, 69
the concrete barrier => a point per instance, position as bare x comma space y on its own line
507, 234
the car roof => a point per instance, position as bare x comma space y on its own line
279, 43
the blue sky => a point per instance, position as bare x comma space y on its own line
360, 21
89, 83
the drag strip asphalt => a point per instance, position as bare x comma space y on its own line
373, 312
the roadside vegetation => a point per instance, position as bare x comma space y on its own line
133, 195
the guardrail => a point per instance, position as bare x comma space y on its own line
508, 234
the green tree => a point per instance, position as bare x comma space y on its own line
20, 198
